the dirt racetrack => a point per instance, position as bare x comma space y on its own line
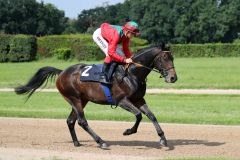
45, 139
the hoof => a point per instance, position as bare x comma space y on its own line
163, 142
76, 144
104, 146
128, 132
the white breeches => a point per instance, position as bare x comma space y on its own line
103, 44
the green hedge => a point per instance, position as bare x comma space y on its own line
236, 41
206, 50
17, 48
62, 53
81, 45
4, 47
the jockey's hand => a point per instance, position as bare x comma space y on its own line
129, 60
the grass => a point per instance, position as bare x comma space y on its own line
171, 108
13, 74
210, 73
221, 73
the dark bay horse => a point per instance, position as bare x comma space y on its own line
128, 89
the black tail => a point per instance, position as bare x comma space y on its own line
42, 75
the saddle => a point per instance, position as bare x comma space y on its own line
91, 73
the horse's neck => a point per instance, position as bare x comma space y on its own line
146, 60
146, 57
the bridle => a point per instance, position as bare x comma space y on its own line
163, 72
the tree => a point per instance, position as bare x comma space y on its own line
89, 20
70, 26
229, 22
50, 20
18, 16
175, 21
196, 22
30, 17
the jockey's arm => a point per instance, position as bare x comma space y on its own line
112, 46
126, 50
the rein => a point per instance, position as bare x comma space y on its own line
162, 70
140, 65
155, 70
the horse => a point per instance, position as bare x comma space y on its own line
128, 89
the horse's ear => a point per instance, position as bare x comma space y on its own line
162, 46
167, 47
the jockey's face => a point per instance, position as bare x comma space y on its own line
129, 34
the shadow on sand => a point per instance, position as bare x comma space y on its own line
172, 143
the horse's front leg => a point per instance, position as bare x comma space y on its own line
127, 105
144, 108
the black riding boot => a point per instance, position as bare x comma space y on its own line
112, 69
104, 74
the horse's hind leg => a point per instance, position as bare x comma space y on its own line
71, 123
83, 123
78, 106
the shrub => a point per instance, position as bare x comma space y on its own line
81, 46
17, 48
22, 48
62, 53
236, 41
4, 47
206, 50
87, 52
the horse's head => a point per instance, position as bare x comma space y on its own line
164, 63
154, 58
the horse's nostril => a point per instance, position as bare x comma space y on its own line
173, 79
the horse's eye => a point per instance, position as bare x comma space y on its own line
165, 56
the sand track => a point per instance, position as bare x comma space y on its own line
22, 138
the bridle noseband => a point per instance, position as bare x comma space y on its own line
161, 70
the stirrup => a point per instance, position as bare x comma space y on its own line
104, 79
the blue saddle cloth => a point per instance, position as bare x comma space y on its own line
91, 73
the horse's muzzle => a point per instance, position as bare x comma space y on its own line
171, 78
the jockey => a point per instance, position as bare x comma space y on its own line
108, 38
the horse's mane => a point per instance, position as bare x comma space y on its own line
161, 46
